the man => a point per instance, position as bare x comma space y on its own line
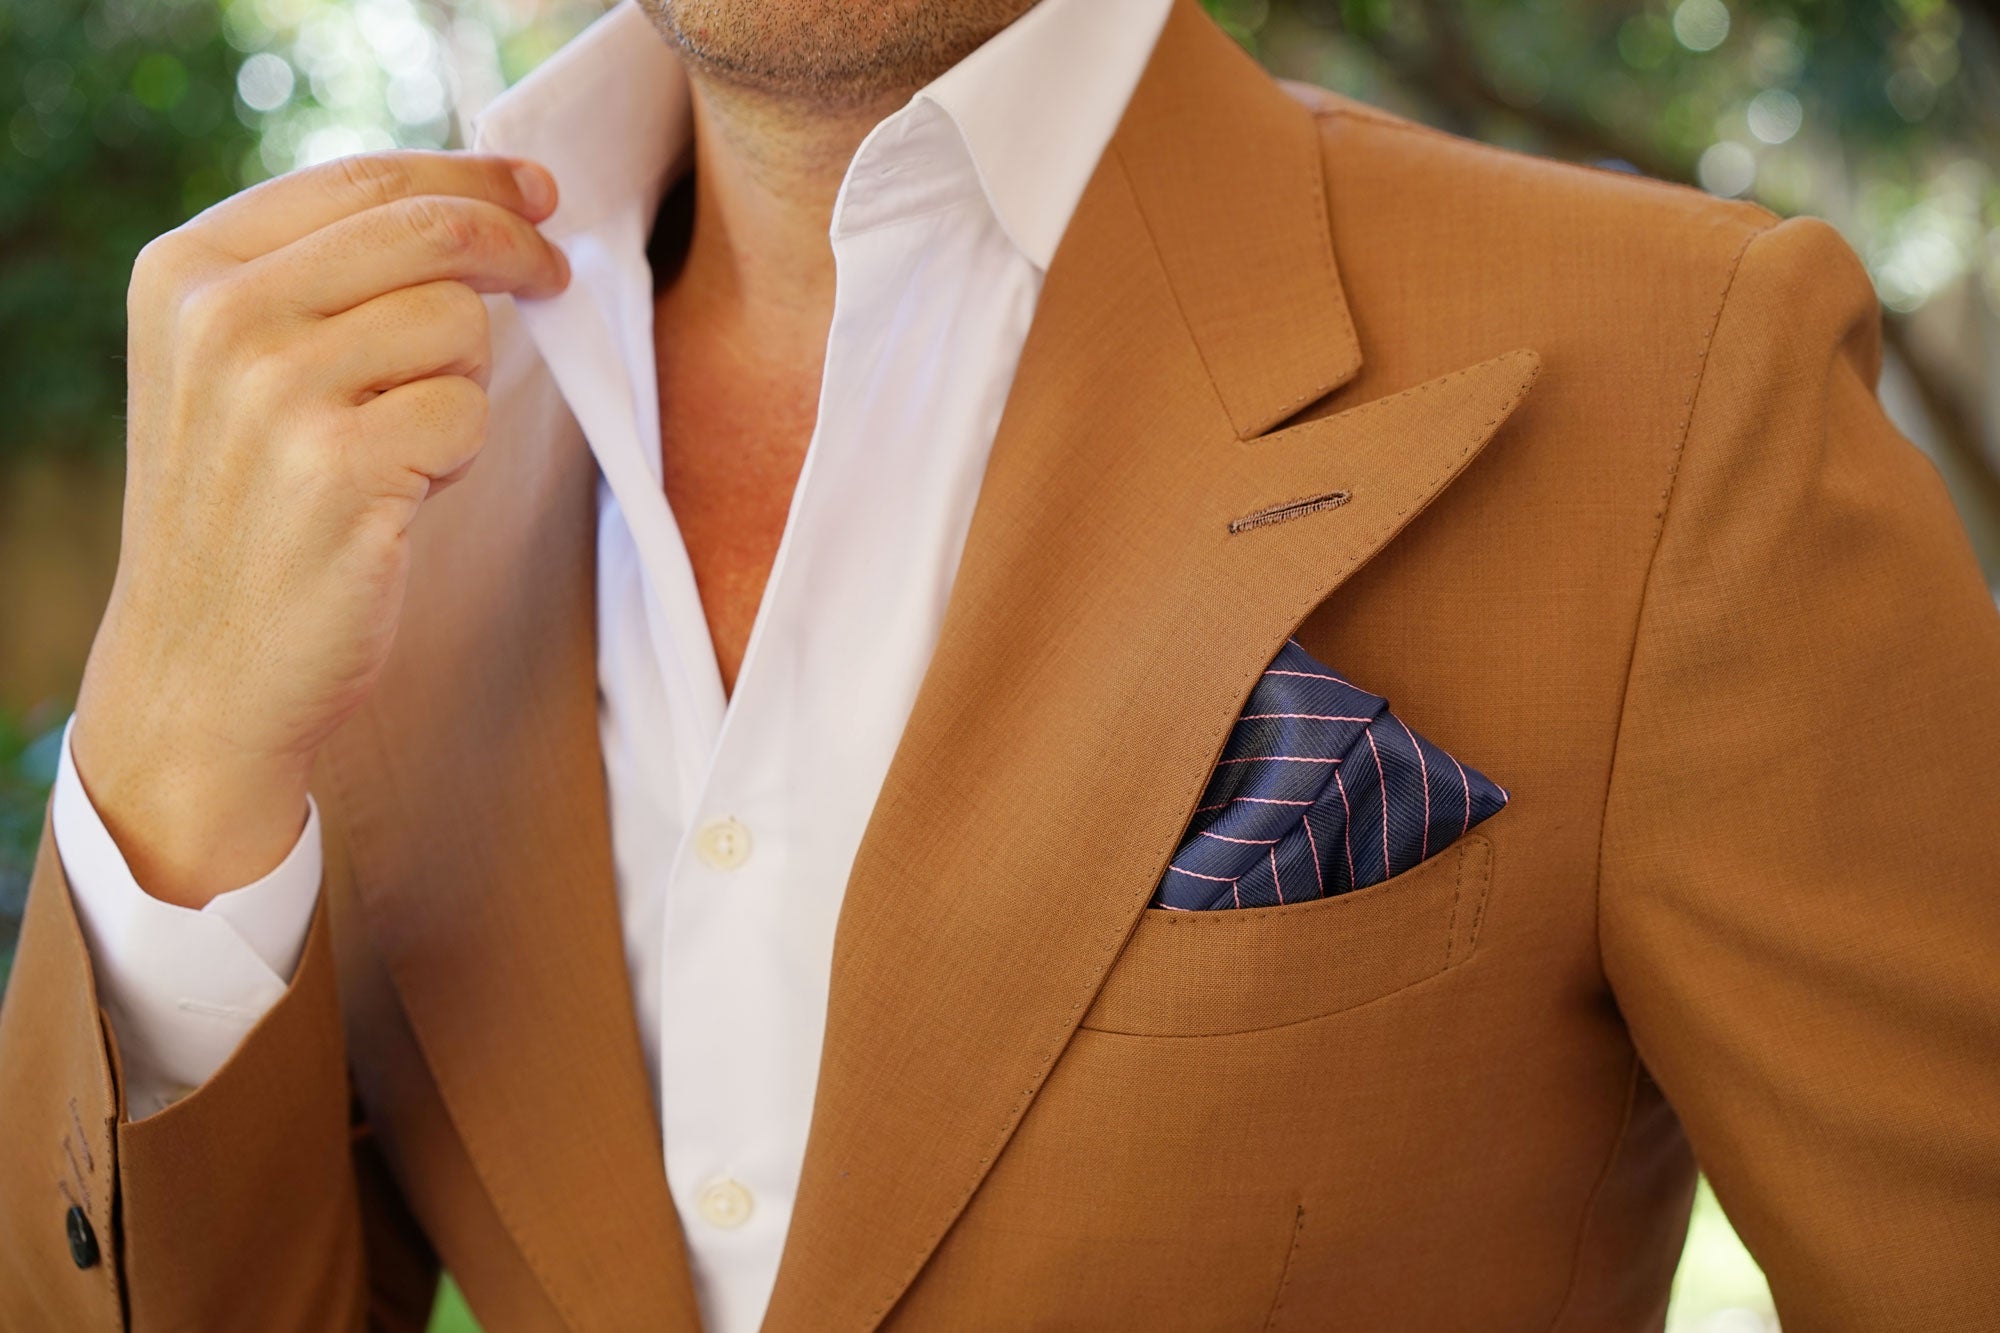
1007, 408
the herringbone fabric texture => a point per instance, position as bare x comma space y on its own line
1321, 790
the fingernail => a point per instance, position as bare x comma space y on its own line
538, 188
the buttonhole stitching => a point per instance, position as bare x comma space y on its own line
1290, 509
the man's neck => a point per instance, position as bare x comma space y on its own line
759, 270
740, 334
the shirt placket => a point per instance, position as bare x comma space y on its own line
754, 893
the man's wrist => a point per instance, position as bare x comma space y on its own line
191, 821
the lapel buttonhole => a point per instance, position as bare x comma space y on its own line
1290, 509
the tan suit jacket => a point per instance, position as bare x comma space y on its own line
1628, 532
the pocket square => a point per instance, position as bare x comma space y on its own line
1320, 790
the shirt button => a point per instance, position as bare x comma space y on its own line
724, 1203
724, 844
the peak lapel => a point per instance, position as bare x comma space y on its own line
1105, 627
1225, 167
471, 795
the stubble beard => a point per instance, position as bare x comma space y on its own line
828, 54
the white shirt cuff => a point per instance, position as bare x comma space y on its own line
180, 987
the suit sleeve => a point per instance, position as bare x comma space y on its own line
1800, 883
236, 1207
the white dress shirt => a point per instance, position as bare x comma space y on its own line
734, 819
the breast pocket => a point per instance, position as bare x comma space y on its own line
1194, 974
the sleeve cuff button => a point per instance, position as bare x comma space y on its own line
82, 1240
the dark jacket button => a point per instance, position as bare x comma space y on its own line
82, 1240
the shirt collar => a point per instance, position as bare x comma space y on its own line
1034, 108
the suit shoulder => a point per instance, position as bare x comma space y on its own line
1406, 168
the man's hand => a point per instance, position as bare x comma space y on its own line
307, 361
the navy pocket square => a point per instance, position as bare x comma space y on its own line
1320, 790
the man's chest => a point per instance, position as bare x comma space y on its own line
731, 453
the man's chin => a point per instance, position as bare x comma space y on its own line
829, 52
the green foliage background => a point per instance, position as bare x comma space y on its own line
121, 125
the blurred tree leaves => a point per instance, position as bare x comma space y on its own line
1854, 109
116, 123
27, 769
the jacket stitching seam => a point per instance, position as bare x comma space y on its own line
1646, 580
1485, 883
1285, 1274
1484, 896
1597, 1192
1451, 926
1667, 494
1167, 277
